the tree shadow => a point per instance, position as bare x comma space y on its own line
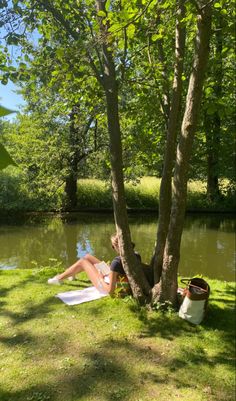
163, 324
31, 311
169, 325
101, 367
103, 371
18, 339
5, 291
40, 392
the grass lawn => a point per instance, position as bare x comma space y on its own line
110, 349
94, 193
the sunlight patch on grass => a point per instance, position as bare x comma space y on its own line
109, 349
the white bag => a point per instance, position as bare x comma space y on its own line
195, 300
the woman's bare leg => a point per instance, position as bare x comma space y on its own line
92, 259
89, 268
71, 271
80, 266
93, 275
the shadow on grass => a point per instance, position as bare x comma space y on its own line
170, 326
31, 311
18, 339
17, 285
105, 374
41, 392
101, 373
113, 369
230, 290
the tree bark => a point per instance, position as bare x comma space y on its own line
173, 123
213, 122
132, 267
71, 179
212, 127
167, 289
78, 152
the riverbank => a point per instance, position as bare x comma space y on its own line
110, 349
95, 195
144, 195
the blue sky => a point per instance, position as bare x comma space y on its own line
8, 97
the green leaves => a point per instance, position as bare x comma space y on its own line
130, 31
101, 14
5, 158
4, 111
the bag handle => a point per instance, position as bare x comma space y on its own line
187, 281
200, 288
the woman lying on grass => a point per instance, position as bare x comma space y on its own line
116, 279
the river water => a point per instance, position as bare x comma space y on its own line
207, 247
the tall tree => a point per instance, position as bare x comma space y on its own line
137, 280
167, 288
173, 119
98, 53
93, 29
212, 123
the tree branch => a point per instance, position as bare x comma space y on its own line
133, 19
73, 33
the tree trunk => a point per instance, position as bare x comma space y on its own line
167, 289
71, 192
71, 179
213, 122
166, 181
212, 127
132, 267
78, 152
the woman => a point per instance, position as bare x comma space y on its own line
116, 279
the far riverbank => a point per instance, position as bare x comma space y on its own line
95, 195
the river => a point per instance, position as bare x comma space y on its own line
207, 247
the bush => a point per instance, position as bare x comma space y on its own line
16, 194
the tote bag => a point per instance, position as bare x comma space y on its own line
195, 300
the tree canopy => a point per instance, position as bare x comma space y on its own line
123, 82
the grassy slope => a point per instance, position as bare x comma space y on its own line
109, 349
93, 193
96, 194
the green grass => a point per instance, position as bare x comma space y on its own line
96, 194
110, 349
93, 193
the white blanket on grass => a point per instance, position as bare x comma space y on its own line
79, 296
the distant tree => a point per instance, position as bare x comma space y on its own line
219, 98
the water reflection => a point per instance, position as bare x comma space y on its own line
208, 243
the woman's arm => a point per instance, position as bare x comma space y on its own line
111, 286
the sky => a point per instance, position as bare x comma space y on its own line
8, 96
10, 99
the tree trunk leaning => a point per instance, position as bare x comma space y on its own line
166, 291
173, 126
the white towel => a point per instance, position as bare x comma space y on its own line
79, 296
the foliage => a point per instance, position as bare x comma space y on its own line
141, 38
40, 162
17, 194
91, 57
218, 98
5, 158
4, 111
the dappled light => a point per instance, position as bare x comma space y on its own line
111, 349
126, 127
